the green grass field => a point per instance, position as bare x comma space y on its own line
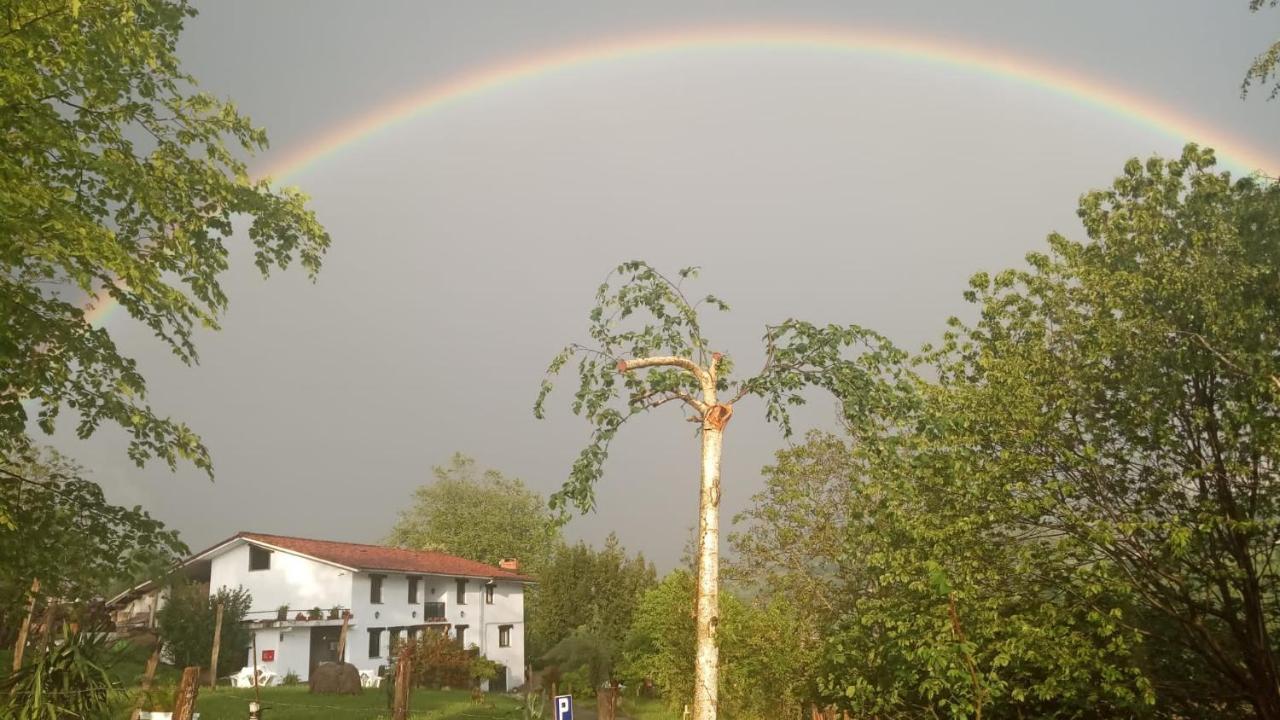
296, 703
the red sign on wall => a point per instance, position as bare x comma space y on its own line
268, 655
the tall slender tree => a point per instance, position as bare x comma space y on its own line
635, 365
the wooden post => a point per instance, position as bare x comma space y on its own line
46, 625
404, 681
147, 677
257, 694
184, 705
342, 640
21, 645
217, 641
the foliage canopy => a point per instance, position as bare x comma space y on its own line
119, 180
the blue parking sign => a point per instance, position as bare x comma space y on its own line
564, 707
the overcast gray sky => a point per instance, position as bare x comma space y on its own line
468, 242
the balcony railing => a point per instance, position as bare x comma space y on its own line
433, 611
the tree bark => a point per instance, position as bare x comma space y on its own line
20, 646
184, 705
706, 670
403, 688
213, 655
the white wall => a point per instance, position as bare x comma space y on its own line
482, 620
302, 583
507, 609
293, 649
293, 580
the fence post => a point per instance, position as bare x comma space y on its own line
21, 645
217, 641
147, 676
257, 694
342, 640
404, 681
184, 706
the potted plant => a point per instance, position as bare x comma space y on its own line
282, 613
317, 613
347, 614
335, 612
300, 617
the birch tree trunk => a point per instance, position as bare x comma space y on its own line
706, 670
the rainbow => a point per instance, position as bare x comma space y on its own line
865, 42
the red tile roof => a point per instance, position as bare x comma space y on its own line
378, 557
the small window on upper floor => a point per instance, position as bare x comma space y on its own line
488, 594
259, 558
462, 591
504, 636
413, 589
375, 589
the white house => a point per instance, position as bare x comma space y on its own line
389, 595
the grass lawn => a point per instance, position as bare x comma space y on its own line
295, 703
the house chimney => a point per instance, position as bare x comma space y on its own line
512, 564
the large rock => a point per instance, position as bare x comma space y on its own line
335, 679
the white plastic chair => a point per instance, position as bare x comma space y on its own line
244, 678
370, 679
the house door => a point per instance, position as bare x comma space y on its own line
324, 646
499, 682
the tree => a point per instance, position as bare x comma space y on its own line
792, 539
482, 516
588, 590
1119, 400
668, 359
57, 527
121, 182
1263, 69
919, 595
764, 666
186, 623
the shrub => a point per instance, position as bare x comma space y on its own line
69, 680
439, 662
187, 621
290, 678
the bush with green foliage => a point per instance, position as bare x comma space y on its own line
584, 658
186, 623
70, 679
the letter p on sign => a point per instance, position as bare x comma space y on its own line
564, 707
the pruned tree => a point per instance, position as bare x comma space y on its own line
649, 350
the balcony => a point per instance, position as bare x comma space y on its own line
433, 612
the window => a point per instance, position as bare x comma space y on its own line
413, 590
462, 591
375, 589
259, 558
433, 611
413, 634
460, 635
396, 641
488, 594
504, 636
375, 642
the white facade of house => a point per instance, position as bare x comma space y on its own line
493, 620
